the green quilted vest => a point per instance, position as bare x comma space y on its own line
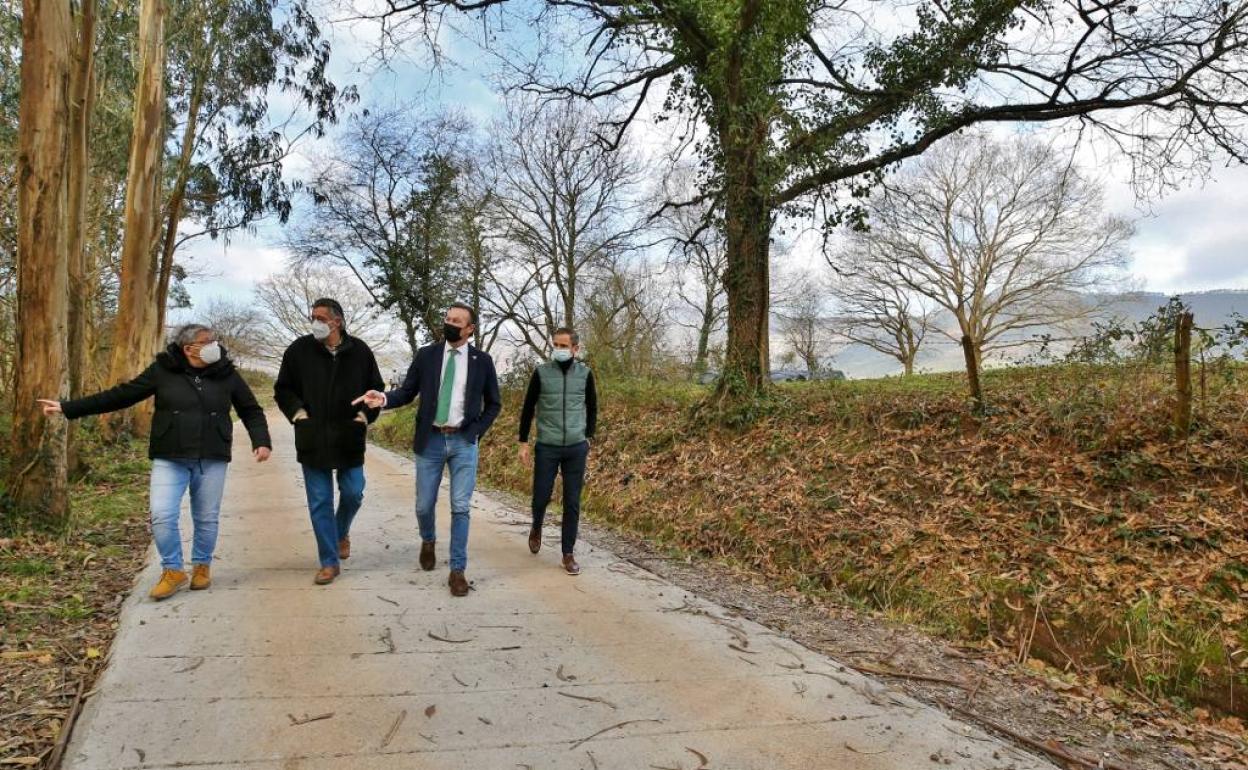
561, 406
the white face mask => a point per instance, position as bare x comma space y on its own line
320, 330
210, 353
562, 354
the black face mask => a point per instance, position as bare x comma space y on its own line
451, 333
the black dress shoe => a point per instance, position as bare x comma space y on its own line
427, 559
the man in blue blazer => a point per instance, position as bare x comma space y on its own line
459, 400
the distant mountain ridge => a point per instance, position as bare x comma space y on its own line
1211, 309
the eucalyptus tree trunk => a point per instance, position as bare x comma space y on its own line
81, 104
136, 331
81, 271
37, 483
177, 197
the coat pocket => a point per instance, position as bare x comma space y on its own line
304, 435
225, 428
355, 435
346, 437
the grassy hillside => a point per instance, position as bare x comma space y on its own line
1069, 525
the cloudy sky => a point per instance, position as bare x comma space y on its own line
1192, 239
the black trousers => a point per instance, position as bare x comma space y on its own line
569, 462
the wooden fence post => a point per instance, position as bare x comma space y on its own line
1183, 375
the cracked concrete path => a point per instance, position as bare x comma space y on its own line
384, 669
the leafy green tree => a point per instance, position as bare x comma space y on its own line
229, 58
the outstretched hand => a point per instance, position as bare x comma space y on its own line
49, 407
372, 399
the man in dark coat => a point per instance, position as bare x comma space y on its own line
459, 400
320, 374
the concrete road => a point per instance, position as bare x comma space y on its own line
384, 669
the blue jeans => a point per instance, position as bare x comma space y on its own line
170, 481
569, 462
460, 454
330, 526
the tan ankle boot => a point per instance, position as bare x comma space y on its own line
201, 578
170, 581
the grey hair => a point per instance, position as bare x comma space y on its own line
185, 335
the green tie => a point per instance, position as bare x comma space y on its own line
444, 394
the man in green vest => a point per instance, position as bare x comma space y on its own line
562, 395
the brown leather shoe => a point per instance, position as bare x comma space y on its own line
535, 540
344, 548
458, 583
326, 575
427, 558
201, 577
570, 566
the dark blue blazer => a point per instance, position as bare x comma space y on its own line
481, 398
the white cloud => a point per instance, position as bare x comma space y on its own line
1197, 238
231, 270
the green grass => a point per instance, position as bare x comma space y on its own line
28, 567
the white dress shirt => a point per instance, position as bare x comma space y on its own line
456, 416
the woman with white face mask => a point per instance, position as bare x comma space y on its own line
195, 386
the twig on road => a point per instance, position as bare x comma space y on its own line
864, 751
589, 698
448, 640
394, 728
305, 719
617, 726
